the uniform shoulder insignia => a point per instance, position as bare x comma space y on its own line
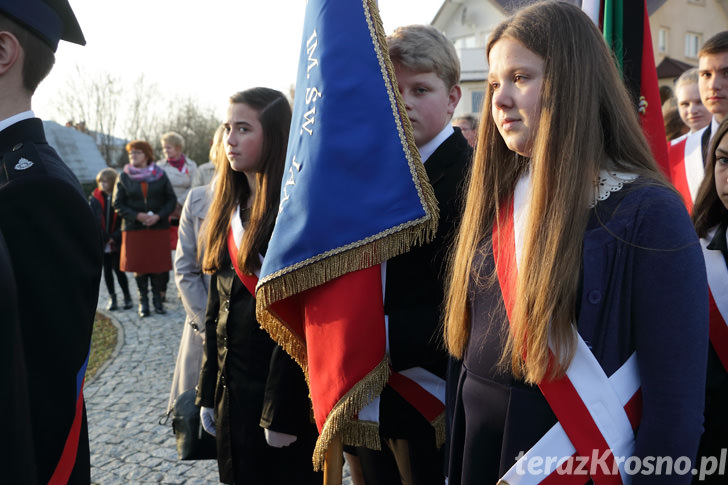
23, 164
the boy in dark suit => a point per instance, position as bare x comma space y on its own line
53, 243
428, 74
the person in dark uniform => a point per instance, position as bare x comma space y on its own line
53, 243
17, 447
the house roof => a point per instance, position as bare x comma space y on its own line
653, 5
670, 67
510, 6
78, 150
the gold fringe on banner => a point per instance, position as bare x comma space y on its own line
363, 433
439, 424
341, 416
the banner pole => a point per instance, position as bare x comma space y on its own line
334, 462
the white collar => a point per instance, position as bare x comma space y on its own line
429, 148
610, 181
25, 115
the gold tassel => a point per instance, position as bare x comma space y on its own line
363, 433
439, 424
341, 416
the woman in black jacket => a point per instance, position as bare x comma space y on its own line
246, 381
144, 198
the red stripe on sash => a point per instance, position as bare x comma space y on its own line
579, 425
68, 457
633, 408
289, 310
427, 404
561, 395
249, 281
678, 173
504, 252
718, 332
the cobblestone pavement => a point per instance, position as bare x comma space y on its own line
129, 395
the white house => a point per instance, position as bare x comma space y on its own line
678, 27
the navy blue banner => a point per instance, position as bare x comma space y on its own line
352, 175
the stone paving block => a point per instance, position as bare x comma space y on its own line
106, 479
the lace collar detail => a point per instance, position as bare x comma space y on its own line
609, 181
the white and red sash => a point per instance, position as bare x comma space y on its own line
686, 165
235, 236
718, 285
421, 388
596, 413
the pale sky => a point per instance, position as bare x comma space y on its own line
204, 49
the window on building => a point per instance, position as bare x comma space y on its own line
465, 42
476, 98
692, 44
662, 40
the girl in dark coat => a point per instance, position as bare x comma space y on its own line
577, 299
144, 198
710, 216
241, 382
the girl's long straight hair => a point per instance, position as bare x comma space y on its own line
231, 188
708, 210
587, 122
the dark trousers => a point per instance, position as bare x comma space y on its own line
111, 268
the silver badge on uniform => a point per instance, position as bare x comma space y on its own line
23, 164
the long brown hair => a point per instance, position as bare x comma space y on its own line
231, 188
708, 210
587, 122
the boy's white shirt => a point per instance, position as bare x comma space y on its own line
25, 115
429, 148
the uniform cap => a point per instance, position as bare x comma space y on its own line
50, 20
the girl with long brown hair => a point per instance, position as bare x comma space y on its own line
574, 260
238, 383
710, 216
